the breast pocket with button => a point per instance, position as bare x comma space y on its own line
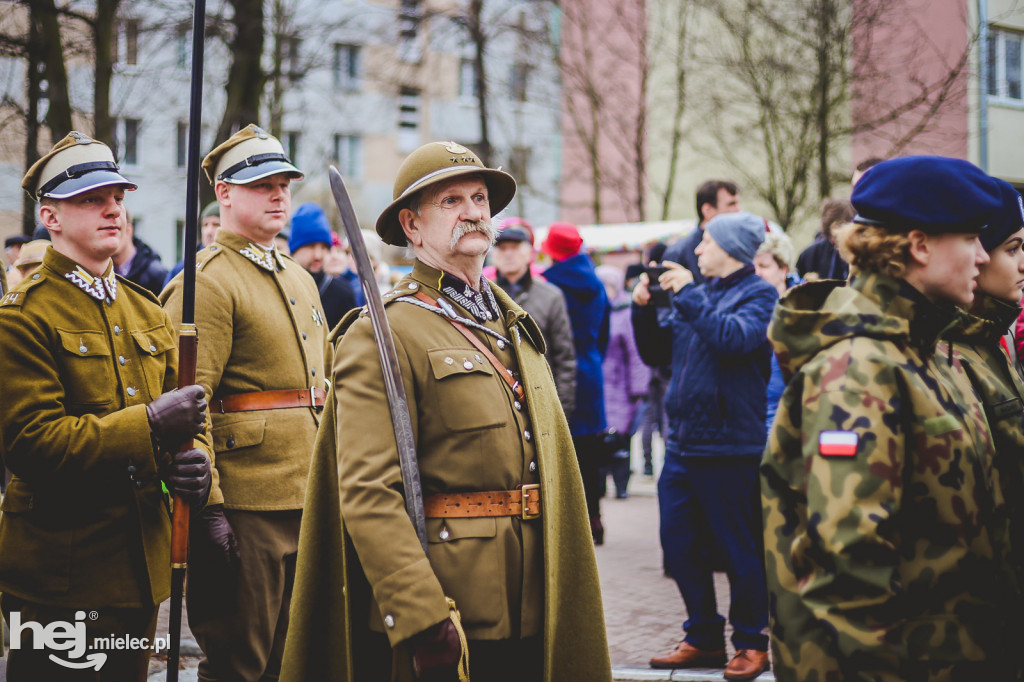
153, 345
468, 390
86, 370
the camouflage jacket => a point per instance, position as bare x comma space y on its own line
885, 540
999, 387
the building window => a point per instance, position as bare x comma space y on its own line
1004, 65
183, 48
179, 238
128, 42
409, 17
291, 145
347, 67
468, 87
408, 120
518, 165
520, 77
291, 49
348, 154
182, 146
126, 140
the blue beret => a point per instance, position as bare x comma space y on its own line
1007, 221
934, 194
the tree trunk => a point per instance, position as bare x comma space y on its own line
479, 38
104, 33
58, 115
246, 78
34, 64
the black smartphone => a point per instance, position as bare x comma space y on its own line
659, 297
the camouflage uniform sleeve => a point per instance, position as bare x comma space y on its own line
832, 565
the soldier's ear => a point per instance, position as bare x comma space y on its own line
919, 250
223, 192
49, 217
409, 221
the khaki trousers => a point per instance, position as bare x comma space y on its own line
28, 664
240, 620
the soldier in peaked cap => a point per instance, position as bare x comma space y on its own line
91, 424
885, 526
509, 547
261, 362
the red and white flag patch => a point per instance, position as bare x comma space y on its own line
837, 443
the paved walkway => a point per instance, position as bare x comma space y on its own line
643, 609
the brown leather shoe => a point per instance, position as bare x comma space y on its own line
687, 656
747, 664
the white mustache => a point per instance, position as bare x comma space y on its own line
482, 226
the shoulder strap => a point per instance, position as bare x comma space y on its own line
503, 371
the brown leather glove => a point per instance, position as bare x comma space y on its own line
436, 652
177, 415
189, 476
212, 537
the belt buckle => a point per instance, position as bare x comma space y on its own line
312, 399
525, 491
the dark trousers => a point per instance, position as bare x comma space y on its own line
500, 660
721, 495
591, 454
28, 664
240, 621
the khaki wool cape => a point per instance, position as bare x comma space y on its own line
331, 596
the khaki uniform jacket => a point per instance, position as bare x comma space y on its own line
887, 561
508, 577
259, 329
85, 520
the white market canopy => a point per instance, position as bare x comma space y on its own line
625, 236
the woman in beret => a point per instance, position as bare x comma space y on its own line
885, 530
982, 341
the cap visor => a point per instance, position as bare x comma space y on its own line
263, 170
87, 182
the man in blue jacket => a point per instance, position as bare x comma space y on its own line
715, 340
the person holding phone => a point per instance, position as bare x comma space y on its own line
716, 342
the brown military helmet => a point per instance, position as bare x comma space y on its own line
436, 162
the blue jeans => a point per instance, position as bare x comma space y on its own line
716, 499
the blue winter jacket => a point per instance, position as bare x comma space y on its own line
716, 341
588, 312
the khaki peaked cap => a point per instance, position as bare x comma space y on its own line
247, 156
431, 164
76, 164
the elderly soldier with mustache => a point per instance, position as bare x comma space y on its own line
509, 577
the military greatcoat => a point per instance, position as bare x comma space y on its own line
85, 518
885, 529
509, 577
261, 328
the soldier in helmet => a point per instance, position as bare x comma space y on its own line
261, 361
509, 547
885, 527
92, 425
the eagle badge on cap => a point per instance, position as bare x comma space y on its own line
80, 138
260, 132
454, 147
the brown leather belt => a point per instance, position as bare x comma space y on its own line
497, 503
271, 400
